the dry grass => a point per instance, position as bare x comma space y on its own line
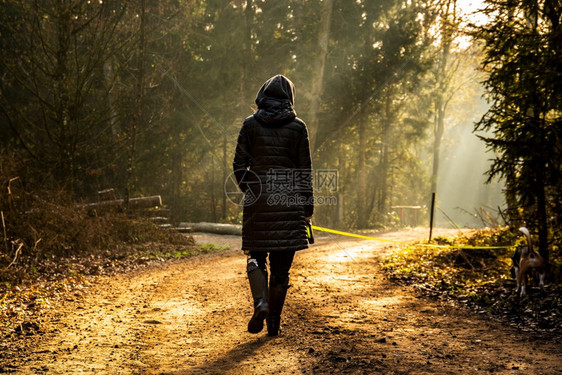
40, 229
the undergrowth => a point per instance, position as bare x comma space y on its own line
46, 234
481, 279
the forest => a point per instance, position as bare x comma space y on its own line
148, 97
119, 122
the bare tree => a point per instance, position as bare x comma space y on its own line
54, 92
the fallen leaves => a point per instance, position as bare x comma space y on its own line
478, 279
58, 280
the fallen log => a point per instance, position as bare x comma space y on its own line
134, 203
183, 229
159, 219
217, 228
156, 212
107, 195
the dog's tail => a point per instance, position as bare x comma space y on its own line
528, 235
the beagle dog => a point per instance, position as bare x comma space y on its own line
526, 262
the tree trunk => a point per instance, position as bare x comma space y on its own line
384, 161
362, 220
438, 130
542, 221
318, 82
212, 190
513, 215
137, 118
341, 168
447, 29
62, 106
224, 176
246, 59
109, 77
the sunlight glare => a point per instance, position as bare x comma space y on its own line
470, 13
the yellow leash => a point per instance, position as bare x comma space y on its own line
347, 234
352, 234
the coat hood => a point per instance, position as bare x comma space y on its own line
275, 101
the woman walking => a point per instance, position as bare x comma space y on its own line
272, 166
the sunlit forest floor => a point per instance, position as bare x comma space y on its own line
481, 279
344, 314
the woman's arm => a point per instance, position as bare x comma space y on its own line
305, 165
242, 158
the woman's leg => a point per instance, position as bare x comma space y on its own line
260, 257
257, 276
279, 265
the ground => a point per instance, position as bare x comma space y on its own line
342, 315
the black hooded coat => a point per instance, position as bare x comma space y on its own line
273, 168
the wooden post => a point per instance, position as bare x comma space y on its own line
431, 215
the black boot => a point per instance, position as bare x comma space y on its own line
277, 294
258, 285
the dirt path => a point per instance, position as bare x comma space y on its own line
341, 316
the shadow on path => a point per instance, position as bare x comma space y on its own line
228, 361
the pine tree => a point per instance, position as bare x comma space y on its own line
522, 45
